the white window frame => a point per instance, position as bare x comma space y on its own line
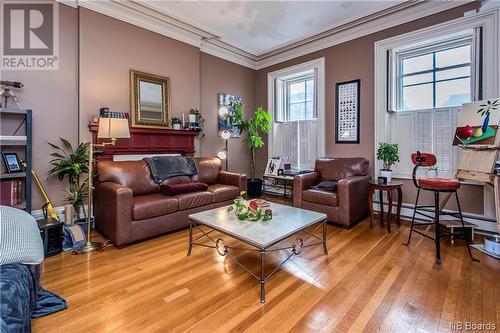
281, 114
488, 21
432, 48
318, 67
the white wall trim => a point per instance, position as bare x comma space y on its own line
38, 214
319, 66
482, 223
142, 15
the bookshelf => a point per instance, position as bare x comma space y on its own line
12, 141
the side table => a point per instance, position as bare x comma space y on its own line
389, 188
278, 183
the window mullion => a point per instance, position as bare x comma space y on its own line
434, 79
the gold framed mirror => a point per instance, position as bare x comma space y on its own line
149, 100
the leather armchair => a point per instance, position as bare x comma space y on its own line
349, 204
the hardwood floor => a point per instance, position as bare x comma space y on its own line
368, 282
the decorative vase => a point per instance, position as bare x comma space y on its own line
486, 123
387, 174
176, 126
192, 118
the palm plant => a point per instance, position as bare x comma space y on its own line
71, 163
260, 122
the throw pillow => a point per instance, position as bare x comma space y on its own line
326, 185
173, 189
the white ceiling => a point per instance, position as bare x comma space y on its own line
258, 27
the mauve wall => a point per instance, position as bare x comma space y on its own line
221, 76
355, 60
109, 48
52, 95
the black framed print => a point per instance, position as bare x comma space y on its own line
347, 105
11, 162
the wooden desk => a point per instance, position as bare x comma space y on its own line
389, 188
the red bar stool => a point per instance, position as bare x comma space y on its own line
436, 185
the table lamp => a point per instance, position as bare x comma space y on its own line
223, 154
113, 126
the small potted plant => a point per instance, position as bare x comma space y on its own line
432, 172
389, 154
176, 123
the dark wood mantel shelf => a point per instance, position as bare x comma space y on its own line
148, 141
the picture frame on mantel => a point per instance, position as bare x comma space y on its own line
347, 111
150, 100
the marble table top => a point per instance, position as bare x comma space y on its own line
286, 221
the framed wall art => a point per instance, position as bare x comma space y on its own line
225, 101
149, 100
347, 105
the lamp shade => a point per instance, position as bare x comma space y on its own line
225, 134
222, 155
113, 128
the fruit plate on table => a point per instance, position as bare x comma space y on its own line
468, 136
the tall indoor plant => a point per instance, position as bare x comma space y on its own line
71, 163
259, 123
389, 154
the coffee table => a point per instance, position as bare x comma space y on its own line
262, 237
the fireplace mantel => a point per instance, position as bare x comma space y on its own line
148, 141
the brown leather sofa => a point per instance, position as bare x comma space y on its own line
349, 204
129, 206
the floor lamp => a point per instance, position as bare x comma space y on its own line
109, 128
224, 154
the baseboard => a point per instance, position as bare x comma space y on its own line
483, 223
38, 214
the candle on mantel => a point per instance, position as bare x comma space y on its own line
183, 121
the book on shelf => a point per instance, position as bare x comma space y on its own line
12, 192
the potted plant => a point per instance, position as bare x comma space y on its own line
389, 154
259, 123
176, 123
72, 164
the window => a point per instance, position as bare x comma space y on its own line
296, 98
439, 76
430, 82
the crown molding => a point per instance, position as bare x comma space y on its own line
388, 18
140, 14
